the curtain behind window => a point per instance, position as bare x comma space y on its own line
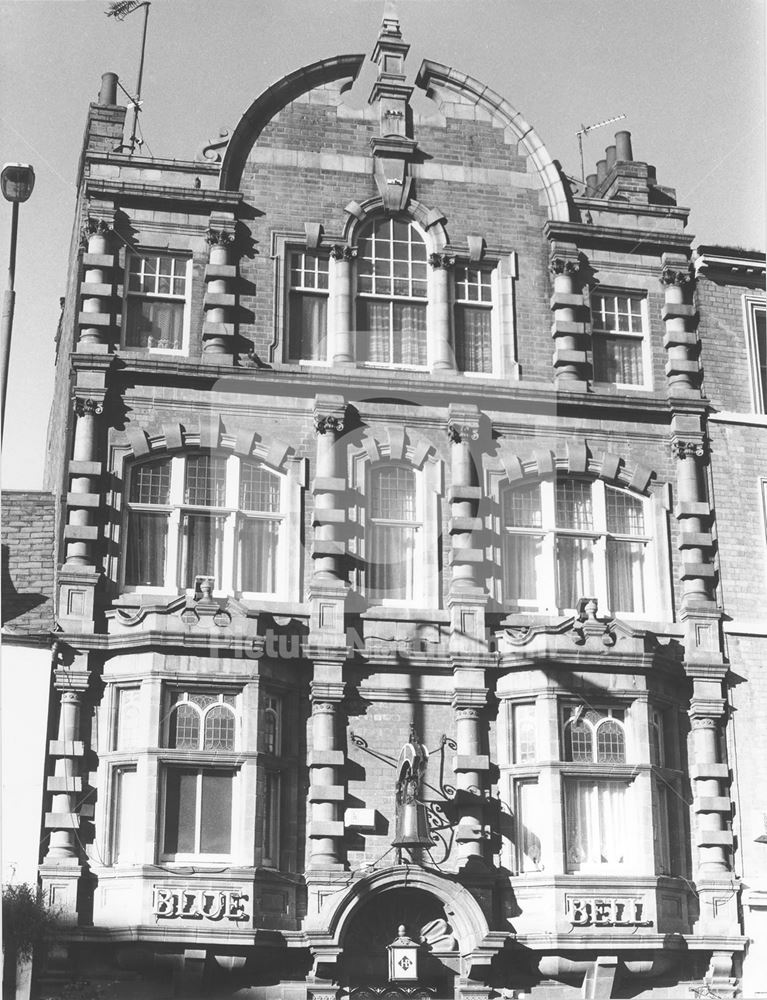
625, 575
473, 342
308, 327
596, 833
618, 359
203, 548
152, 323
257, 555
146, 549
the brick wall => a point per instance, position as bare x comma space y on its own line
28, 561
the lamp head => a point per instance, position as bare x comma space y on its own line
17, 181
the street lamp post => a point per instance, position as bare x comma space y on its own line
17, 181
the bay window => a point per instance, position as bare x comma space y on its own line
569, 538
205, 515
391, 295
156, 312
619, 335
197, 815
393, 534
308, 307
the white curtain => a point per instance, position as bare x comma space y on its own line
625, 575
203, 548
519, 567
307, 336
391, 565
146, 549
473, 345
257, 555
618, 359
597, 833
154, 323
575, 569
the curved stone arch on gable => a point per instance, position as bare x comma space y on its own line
210, 434
272, 101
329, 928
433, 73
430, 220
576, 458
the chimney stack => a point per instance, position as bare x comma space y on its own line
601, 170
591, 185
623, 146
108, 92
610, 157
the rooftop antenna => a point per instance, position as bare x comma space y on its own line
120, 9
585, 129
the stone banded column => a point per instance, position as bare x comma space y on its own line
471, 766
96, 316
326, 762
572, 358
694, 516
712, 804
84, 497
61, 867
220, 299
343, 352
680, 338
464, 495
439, 350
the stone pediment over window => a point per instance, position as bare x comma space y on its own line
586, 634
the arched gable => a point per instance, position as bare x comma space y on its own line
435, 75
274, 99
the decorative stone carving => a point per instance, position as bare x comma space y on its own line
88, 407
442, 260
212, 152
670, 276
467, 713
458, 432
341, 252
93, 227
323, 708
328, 424
681, 448
219, 237
563, 265
703, 722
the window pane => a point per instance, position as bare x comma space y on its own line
150, 482
125, 834
184, 728
527, 822
473, 341
393, 493
219, 729
146, 549
257, 555
596, 830
409, 333
216, 813
625, 575
154, 323
271, 817
128, 715
520, 560
180, 812
308, 328
524, 733
618, 359
611, 743
579, 743
573, 504
625, 514
374, 331
575, 570
391, 563
259, 489
203, 543
205, 481
522, 507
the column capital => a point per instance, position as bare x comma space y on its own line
461, 431
328, 424
94, 226
672, 276
219, 236
87, 406
564, 265
330, 413
341, 252
443, 261
71, 682
689, 448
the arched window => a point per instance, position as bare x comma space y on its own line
391, 295
201, 515
571, 537
201, 721
393, 533
594, 736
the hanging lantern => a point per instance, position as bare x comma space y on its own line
403, 958
411, 827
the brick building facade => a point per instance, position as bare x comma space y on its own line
392, 569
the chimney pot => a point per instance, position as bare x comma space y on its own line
592, 182
601, 170
610, 157
108, 92
623, 146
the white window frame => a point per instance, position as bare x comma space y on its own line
149, 296
118, 690
116, 810
751, 305
427, 300
199, 766
546, 599
643, 336
526, 819
271, 816
502, 271
291, 250
231, 514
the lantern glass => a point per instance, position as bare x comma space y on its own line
17, 181
403, 959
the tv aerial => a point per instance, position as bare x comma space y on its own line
585, 129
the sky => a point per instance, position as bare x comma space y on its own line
688, 74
